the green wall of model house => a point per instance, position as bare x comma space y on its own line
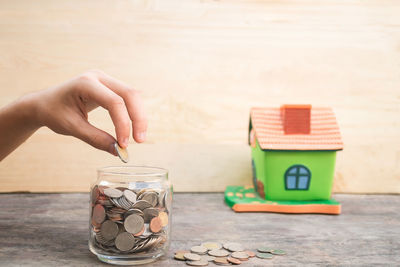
270, 167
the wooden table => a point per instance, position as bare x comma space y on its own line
52, 230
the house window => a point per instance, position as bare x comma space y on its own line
297, 177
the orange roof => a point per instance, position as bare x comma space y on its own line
268, 127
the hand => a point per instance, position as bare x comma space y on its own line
65, 108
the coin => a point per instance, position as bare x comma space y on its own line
199, 250
264, 250
208, 257
197, 263
235, 247
99, 214
278, 252
234, 261
134, 223
179, 256
122, 153
140, 232
221, 261
141, 204
164, 218
95, 194
109, 230
151, 197
155, 225
130, 196
240, 255
250, 253
124, 241
192, 257
211, 245
231, 246
262, 255
149, 214
112, 192
218, 253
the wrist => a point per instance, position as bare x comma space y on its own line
28, 107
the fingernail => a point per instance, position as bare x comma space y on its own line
112, 150
142, 136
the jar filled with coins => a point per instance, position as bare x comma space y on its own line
130, 215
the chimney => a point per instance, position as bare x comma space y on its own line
296, 119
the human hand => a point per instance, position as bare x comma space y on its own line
64, 109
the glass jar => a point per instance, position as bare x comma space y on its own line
130, 215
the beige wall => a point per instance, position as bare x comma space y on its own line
201, 66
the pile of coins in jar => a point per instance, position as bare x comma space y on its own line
127, 221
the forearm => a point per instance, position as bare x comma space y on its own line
17, 123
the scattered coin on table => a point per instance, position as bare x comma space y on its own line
222, 254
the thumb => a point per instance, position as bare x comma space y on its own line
95, 137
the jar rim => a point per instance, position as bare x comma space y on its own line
133, 170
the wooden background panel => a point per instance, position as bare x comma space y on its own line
201, 65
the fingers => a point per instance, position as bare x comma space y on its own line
94, 136
116, 108
133, 103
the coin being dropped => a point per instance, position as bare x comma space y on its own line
218, 253
122, 153
192, 257
199, 250
197, 263
124, 241
212, 245
264, 255
134, 223
109, 230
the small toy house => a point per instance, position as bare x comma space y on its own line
293, 159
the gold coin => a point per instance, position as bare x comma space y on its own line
179, 256
122, 153
164, 218
212, 245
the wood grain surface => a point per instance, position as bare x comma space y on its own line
201, 65
53, 230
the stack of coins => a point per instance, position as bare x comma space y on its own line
127, 221
228, 253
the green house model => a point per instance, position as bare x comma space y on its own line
293, 159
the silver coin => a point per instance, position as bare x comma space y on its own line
197, 263
124, 241
234, 247
141, 204
134, 224
207, 257
218, 253
212, 245
150, 197
192, 257
122, 153
109, 230
130, 196
149, 214
264, 255
199, 250
112, 192
240, 255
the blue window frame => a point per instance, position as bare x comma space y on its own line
297, 177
